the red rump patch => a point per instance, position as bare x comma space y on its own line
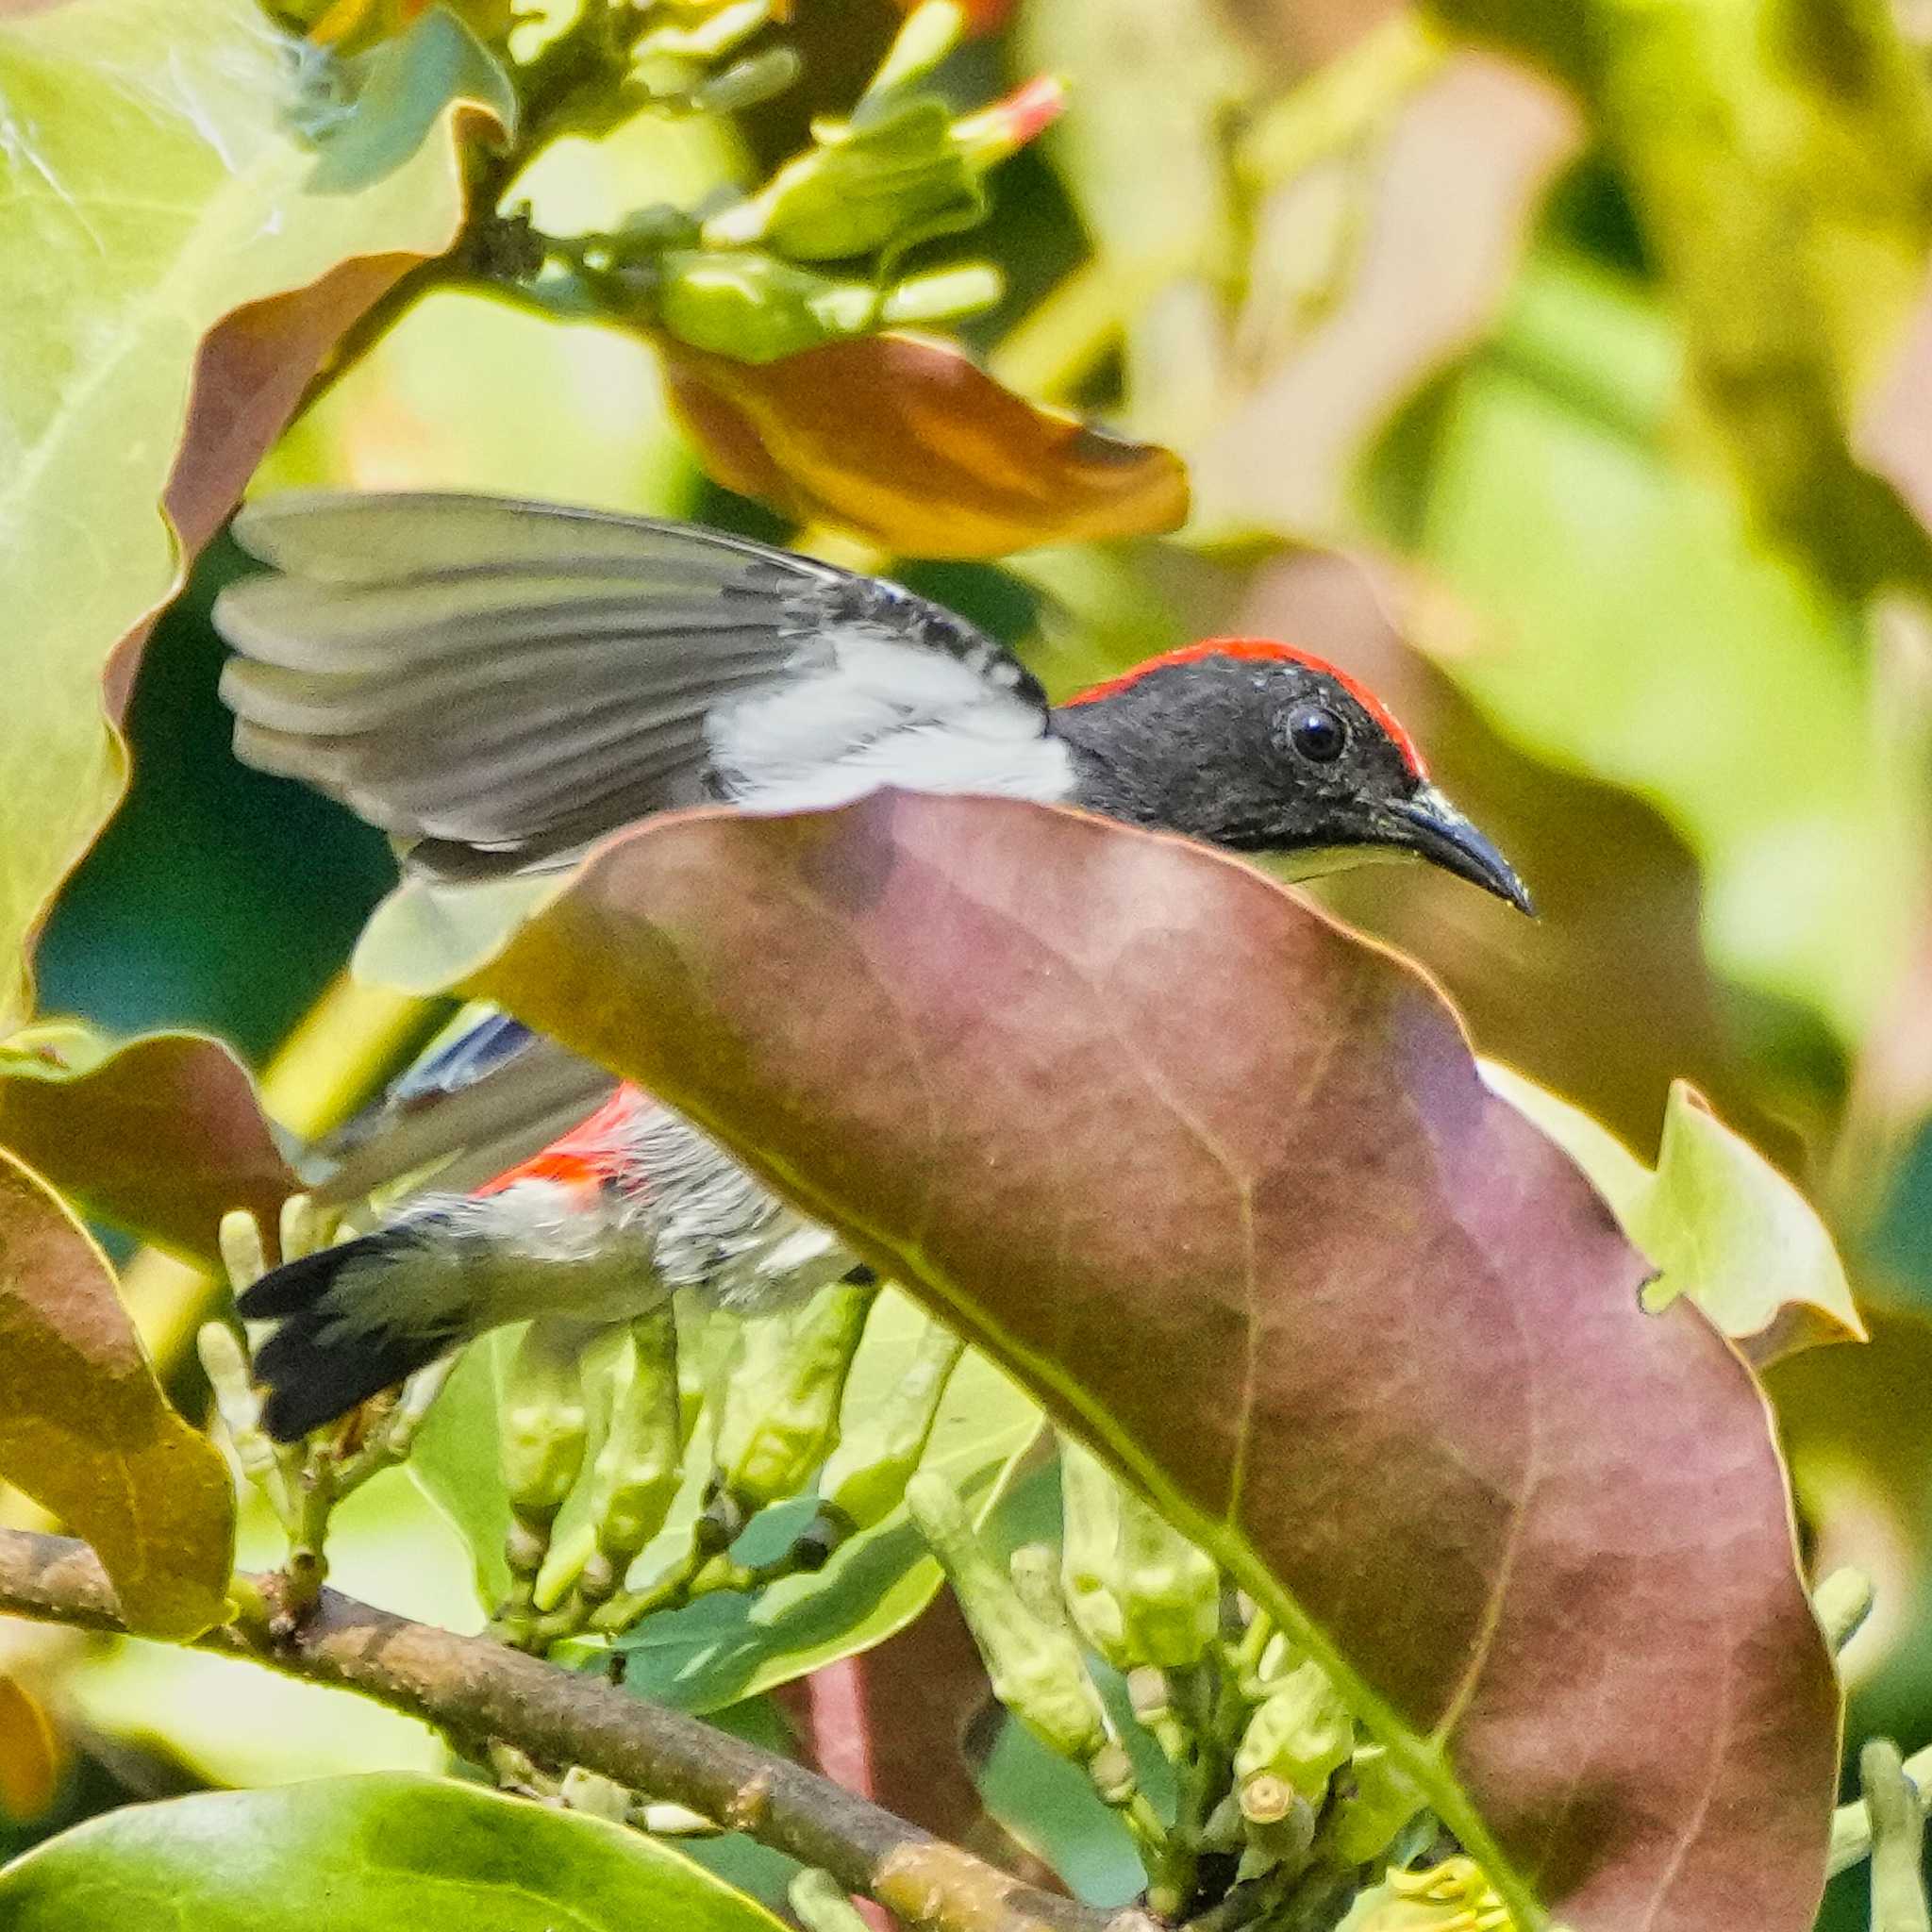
1268, 651
591, 1152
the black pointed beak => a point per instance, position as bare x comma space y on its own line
1434, 828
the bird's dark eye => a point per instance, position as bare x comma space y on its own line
1317, 733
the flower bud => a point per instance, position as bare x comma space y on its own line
755, 309
1169, 1591
1300, 1735
634, 1479
545, 1424
780, 1394
1454, 1896
865, 1480
1368, 1819
1090, 1551
1034, 1668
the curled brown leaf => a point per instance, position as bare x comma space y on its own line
908, 442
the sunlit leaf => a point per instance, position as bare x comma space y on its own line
1363, 1331
727, 1647
149, 187
1722, 1225
85, 1429
161, 1136
390, 1853
907, 442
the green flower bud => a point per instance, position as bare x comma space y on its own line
1454, 1896
1034, 1668
821, 1904
890, 173
865, 1480
1090, 1551
1301, 1735
1368, 1819
1898, 1840
1842, 1601
544, 1424
745, 83
755, 309
635, 1478
781, 1391
1169, 1591
717, 32
1139, 1591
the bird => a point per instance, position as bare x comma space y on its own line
499, 684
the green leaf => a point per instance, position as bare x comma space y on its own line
401, 90
727, 1647
1362, 1332
161, 1135
86, 1431
1723, 1225
390, 1853
150, 186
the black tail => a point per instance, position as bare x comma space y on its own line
315, 1370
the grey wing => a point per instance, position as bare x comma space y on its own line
463, 1116
498, 684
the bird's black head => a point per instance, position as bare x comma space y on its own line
1260, 748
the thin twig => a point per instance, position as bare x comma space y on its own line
478, 1692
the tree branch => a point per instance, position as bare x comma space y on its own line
474, 1691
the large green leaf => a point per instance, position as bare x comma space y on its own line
728, 1646
160, 1135
390, 1853
150, 186
1221, 1185
84, 1426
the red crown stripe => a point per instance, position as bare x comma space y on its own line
1266, 650
588, 1155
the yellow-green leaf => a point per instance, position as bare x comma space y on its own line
85, 1429
1722, 1225
150, 185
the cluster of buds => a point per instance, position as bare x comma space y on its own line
606, 1425
751, 282
1273, 1779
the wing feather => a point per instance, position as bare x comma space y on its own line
498, 684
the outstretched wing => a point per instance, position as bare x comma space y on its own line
499, 684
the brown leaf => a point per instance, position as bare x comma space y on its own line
909, 443
1221, 1185
160, 1137
86, 1431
